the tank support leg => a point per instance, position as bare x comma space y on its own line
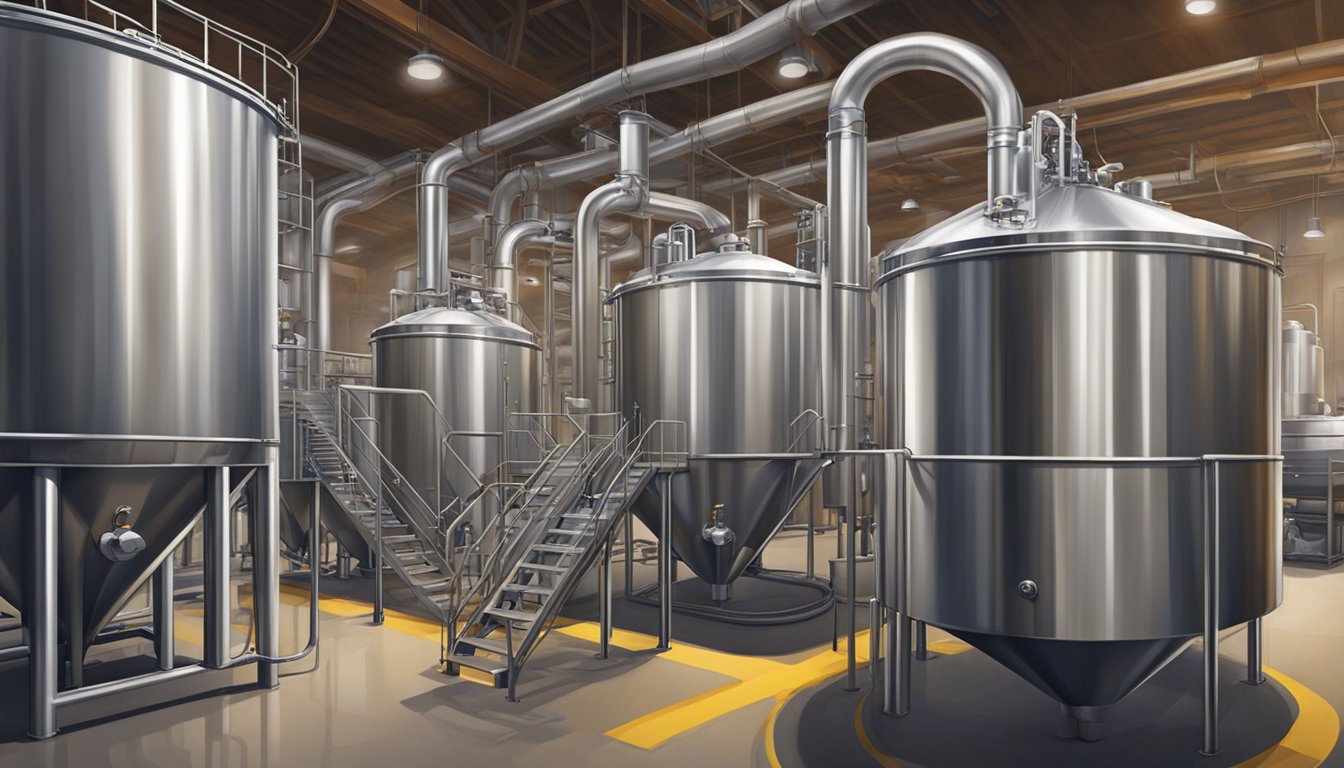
266, 570
378, 558
851, 573
922, 641
1212, 741
1255, 660
40, 618
665, 573
218, 555
165, 645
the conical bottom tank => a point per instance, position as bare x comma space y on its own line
756, 494
91, 588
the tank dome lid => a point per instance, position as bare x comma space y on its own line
455, 323
734, 265
1076, 217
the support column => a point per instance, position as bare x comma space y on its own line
1255, 661
40, 615
218, 555
922, 641
604, 601
1212, 738
851, 568
165, 643
665, 573
378, 557
266, 571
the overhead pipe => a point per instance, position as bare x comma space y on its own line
711, 132
1216, 84
750, 43
503, 268
844, 268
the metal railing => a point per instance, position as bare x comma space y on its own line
306, 368
240, 59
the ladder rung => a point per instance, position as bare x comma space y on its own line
505, 613
559, 549
487, 644
543, 567
530, 589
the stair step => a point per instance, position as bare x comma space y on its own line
570, 531
559, 549
436, 585
530, 589
399, 539
416, 570
496, 668
487, 644
545, 567
506, 613
580, 515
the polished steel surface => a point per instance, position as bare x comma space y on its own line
477, 367
1072, 340
138, 243
727, 343
1309, 442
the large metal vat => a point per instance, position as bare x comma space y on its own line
1110, 328
137, 296
1303, 372
478, 368
726, 343
1313, 447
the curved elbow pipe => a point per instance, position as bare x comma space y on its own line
844, 272
706, 217
754, 41
503, 269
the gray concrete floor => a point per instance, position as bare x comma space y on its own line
378, 699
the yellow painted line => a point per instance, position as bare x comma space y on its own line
882, 758
1313, 735
771, 753
630, 641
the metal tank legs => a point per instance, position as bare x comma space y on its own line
218, 553
1255, 662
165, 645
666, 574
266, 571
40, 620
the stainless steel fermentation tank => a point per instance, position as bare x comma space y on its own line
727, 343
137, 317
1109, 330
478, 368
1313, 448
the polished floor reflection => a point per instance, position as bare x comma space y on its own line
377, 699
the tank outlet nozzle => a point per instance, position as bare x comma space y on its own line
121, 543
717, 532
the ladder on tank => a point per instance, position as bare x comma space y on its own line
562, 524
407, 546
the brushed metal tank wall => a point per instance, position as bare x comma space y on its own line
474, 381
138, 222
737, 360
1087, 353
137, 294
1303, 372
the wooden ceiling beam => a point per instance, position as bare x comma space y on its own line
459, 52
668, 15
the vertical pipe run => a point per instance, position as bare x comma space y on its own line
378, 555
1212, 739
922, 641
874, 639
165, 645
851, 568
266, 569
218, 556
40, 618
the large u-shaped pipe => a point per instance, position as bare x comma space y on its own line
753, 42
844, 270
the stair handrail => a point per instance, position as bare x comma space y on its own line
636, 452
572, 487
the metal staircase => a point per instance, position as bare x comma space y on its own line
559, 526
386, 515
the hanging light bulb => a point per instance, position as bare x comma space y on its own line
425, 65
793, 64
910, 204
1200, 7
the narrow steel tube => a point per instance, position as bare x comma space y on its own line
165, 644
504, 266
378, 556
90, 692
1255, 662
604, 602
901, 666
665, 576
629, 546
40, 618
266, 570
218, 556
851, 568
874, 639
922, 641
1212, 737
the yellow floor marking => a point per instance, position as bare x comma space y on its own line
1307, 744
630, 641
1313, 735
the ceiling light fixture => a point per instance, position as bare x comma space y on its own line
1200, 7
793, 64
910, 204
425, 65
1314, 230
531, 281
